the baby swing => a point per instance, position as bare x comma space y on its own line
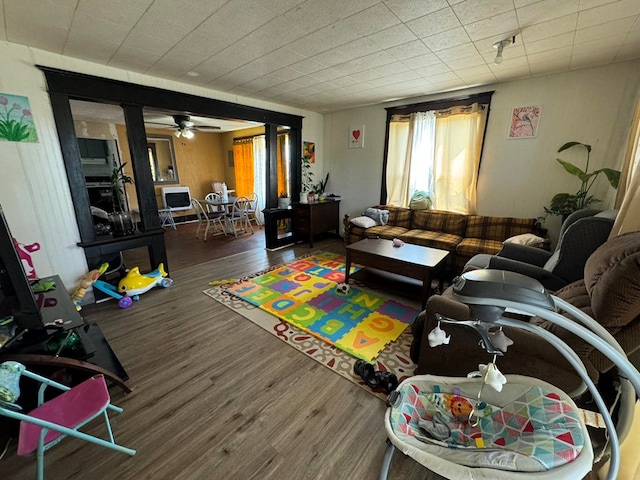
491, 426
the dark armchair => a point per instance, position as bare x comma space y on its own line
609, 292
580, 235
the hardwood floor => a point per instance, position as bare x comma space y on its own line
216, 397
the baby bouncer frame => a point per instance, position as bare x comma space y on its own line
489, 293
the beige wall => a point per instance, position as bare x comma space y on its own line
517, 177
199, 160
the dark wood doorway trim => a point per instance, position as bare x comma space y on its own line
65, 85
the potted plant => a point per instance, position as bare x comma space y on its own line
119, 219
284, 201
564, 204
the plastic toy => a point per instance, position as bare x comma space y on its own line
135, 284
222, 282
85, 282
343, 289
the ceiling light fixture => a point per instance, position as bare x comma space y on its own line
184, 132
499, 46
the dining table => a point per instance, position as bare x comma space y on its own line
224, 205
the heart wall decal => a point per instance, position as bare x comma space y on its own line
356, 136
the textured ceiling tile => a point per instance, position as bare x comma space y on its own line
99, 30
466, 62
512, 73
551, 28
608, 13
149, 38
471, 11
592, 60
393, 36
79, 46
461, 51
434, 69
504, 24
412, 49
442, 41
319, 42
280, 6
475, 72
407, 10
546, 10
436, 22
598, 45
629, 51
422, 61
392, 69
123, 13
552, 43
187, 15
371, 20
326, 75
605, 30
587, 4
307, 66
40, 24
366, 76
358, 48
312, 15
558, 57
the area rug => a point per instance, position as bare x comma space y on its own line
303, 293
394, 358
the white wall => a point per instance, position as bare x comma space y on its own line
517, 177
34, 191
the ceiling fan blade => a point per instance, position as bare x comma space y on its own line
163, 124
206, 127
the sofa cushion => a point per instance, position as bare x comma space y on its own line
439, 221
443, 241
469, 247
398, 216
388, 232
363, 222
498, 228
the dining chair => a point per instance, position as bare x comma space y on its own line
252, 208
239, 216
208, 219
210, 197
59, 417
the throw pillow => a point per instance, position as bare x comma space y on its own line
380, 216
420, 201
363, 222
526, 239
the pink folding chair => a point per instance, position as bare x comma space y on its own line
62, 416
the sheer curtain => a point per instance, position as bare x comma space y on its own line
410, 156
628, 198
243, 166
459, 133
260, 174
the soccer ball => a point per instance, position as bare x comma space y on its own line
343, 289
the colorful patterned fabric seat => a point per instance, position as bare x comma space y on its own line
529, 430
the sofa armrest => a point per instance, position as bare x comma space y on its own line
525, 253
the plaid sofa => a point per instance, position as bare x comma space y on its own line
462, 235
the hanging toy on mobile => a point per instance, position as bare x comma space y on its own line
135, 284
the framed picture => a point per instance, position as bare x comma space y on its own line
16, 119
309, 151
524, 122
356, 136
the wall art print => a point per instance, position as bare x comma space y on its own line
309, 152
16, 120
356, 136
524, 122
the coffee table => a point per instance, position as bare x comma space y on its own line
412, 261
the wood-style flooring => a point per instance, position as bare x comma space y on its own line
216, 397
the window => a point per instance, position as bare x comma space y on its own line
435, 148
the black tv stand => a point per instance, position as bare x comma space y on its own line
91, 352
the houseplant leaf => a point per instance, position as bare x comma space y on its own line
573, 144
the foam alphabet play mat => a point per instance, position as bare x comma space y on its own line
303, 293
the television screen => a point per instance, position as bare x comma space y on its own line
16, 296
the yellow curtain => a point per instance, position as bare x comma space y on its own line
398, 163
628, 199
283, 184
243, 165
459, 135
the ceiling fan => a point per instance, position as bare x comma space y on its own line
184, 127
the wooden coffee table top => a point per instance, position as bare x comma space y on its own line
409, 253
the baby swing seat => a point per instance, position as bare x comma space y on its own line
529, 430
